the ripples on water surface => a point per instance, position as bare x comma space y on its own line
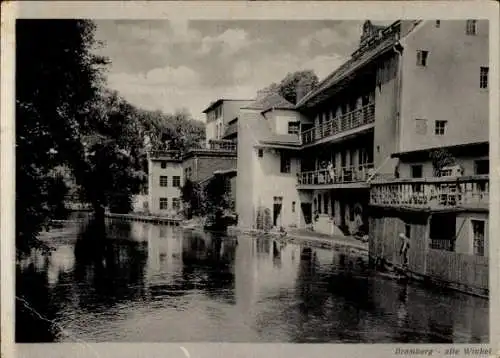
155, 283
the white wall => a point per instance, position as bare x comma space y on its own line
270, 182
280, 118
155, 191
447, 88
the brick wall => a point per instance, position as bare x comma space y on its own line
207, 165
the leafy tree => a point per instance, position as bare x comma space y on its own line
192, 197
288, 86
441, 158
57, 79
217, 200
172, 131
110, 170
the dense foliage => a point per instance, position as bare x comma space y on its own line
57, 80
66, 118
289, 85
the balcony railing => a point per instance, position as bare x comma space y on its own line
165, 154
222, 145
343, 175
345, 122
433, 193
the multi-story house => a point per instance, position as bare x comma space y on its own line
165, 179
439, 194
221, 118
268, 147
352, 132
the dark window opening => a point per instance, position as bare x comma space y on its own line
482, 167
163, 181
285, 165
478, 230
483, 77
293, 127
416, 171
163, 164
422, 57
261, 153
443, 229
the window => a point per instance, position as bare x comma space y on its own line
187, 172
176, 203
482, 167
293, 127
440, 127
163, 180
163, 164
478, 236
176, 181
319, 204
438, 23
416, 171
293, 206
421, 126
483, 77
163, 203
471, 27
422, 58
285, 163
261, 153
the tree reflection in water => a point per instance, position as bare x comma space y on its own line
34, 308
112, 268
208, 264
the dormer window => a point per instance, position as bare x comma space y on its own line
438, 23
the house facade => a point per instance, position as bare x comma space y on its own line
221, 117
268, 163
165, 179
438, 196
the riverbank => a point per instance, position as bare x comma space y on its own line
176, 220
306, 237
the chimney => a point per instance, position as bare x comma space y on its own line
303, 87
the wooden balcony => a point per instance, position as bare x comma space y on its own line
345, 175
470, 192
341, 124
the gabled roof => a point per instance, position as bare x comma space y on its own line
372, 48
216, 103
271, 101
263, 134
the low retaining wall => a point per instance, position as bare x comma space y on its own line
146, 218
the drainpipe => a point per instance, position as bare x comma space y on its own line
398, 48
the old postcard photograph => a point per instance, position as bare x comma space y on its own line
242, 179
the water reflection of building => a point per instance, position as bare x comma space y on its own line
246, 274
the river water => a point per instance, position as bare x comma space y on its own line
153, 283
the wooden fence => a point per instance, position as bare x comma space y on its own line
462, 269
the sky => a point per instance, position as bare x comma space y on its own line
170, 65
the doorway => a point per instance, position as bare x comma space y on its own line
278, 203
307, 212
